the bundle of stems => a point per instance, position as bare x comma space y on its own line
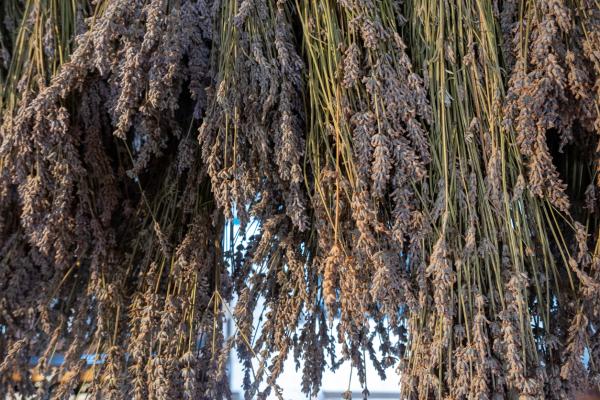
503, 255
36, 37
413, 183
38, 40
367, 153
110, 247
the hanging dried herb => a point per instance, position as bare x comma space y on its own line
413, 183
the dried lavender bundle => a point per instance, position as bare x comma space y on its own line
82, 220
251, 135
253, 145
495, 254
36, 37
24, 271
556, 79
549, 92
368, 151
425, 222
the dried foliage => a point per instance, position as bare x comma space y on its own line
414, 183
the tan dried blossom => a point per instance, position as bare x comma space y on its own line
331, 274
